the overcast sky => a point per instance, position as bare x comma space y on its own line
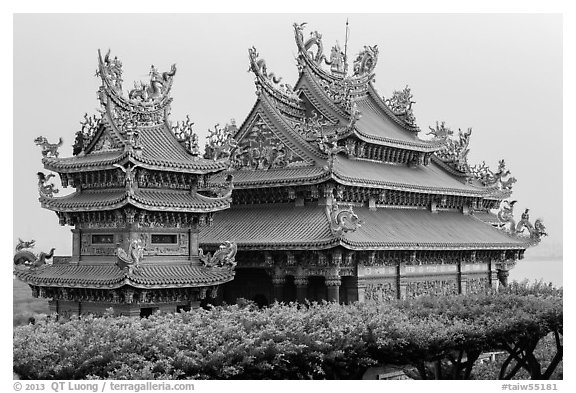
499, 74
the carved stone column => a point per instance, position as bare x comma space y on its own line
278, 287
301, 283
333, 283
401, 280
503, 270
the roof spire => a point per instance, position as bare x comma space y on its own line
346, 48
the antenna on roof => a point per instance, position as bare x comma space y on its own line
346, 48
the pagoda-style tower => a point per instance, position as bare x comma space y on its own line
336, 197
136, 212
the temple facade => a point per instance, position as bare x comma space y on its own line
337, 197
136, 212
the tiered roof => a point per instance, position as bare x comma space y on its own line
134, 131
338, 129
111, 277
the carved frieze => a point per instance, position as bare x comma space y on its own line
477, 285
432, 287
381, 291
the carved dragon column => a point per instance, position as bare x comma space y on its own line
278, 278
503, 267
333, 282
301, 282
332, 278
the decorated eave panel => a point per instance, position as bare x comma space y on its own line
428, 179
154, 200
111, 277
281, 177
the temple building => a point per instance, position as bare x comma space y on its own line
326, 191
337, 197
136, 212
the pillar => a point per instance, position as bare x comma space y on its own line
278, 288
193, 242
402, 281
503, 276
361, 291
333, 288
301, 283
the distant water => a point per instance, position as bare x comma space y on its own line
545, 269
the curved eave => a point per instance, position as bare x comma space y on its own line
321, 244
352, 245
124, 279
275, 177
177, 166
378, 140
202, 204
355, 182
92, 162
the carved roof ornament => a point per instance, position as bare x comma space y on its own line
507, 223
223, 257
401, 105
223, 190
265, 78
111, 71
337, 61
129, 177
221, 145
365, 62
48, 149
441, 131
455, 151
131, 259
147, 103
86, 134
46, 189
26, 259
155, 88
342, 219
186, 136
312, 48
501, 178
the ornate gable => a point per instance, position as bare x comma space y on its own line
104, 141
260, 148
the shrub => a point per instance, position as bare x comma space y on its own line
440, 337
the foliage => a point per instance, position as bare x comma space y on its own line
440, 337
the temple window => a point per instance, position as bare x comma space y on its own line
103, 239
165, 239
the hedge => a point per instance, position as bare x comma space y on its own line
437, 337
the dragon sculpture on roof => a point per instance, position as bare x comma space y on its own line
25, 258
223, 257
